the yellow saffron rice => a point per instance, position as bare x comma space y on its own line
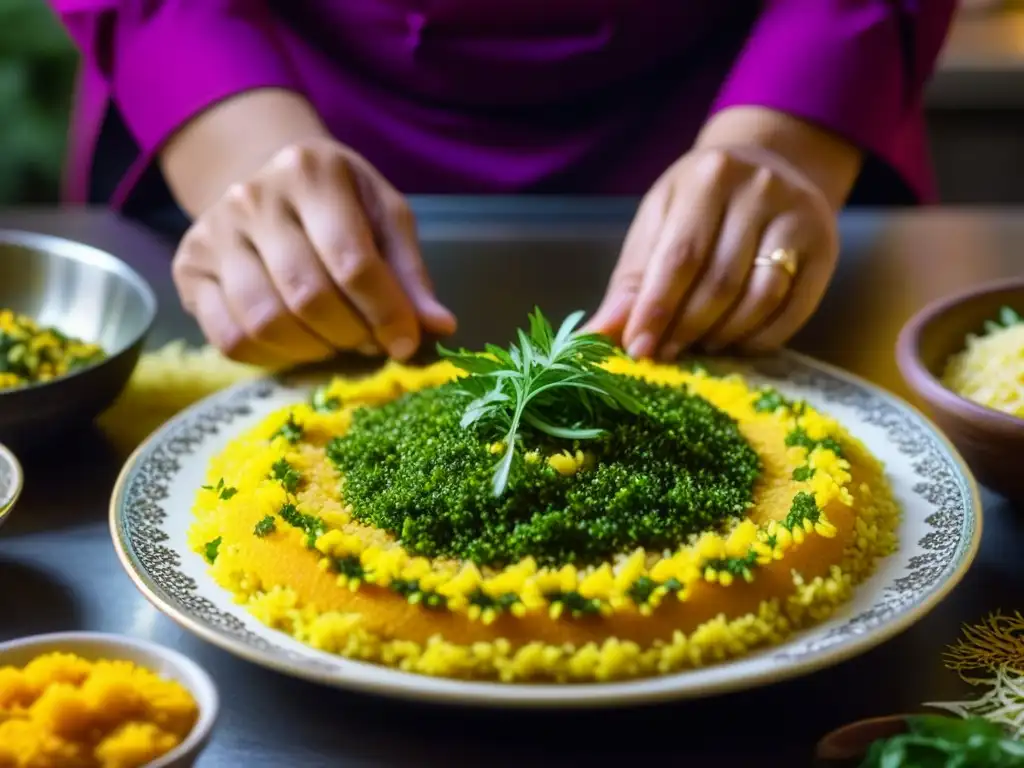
800, 569
62, 711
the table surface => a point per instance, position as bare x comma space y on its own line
498, 257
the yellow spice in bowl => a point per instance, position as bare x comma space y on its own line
63, 711
990, 369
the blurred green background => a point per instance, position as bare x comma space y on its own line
37, 73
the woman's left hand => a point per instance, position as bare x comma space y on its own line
732, 247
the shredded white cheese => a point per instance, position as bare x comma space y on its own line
990, 370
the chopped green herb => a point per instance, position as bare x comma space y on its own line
770, 401
934, 741
223, 491
314, 526
265, 527
321, 402
410, 590
741, 567
289, 477
575, 603
291, 430
1008, 317
501, 603
800, 474
679, 467
798, 437
211, 550
803, 508
642, 589
350, 567
550, 382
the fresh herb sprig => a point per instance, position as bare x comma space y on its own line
934, 741
549, 381
1008, 317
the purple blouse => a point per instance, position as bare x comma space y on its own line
476, 96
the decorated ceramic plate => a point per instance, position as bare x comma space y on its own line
675, 532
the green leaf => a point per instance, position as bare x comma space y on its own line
566, 433
550, 381
1008, 317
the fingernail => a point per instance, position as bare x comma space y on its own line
402, 349
642, 346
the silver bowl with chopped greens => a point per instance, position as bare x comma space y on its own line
73, 320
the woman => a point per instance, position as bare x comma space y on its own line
288, 132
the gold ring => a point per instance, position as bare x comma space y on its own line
780, 257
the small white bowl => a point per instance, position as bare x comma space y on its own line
11, 481
163, 661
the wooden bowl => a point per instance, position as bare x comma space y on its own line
990, 441
847, 747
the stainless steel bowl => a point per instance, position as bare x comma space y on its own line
83, 292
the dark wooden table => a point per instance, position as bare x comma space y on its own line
58, 570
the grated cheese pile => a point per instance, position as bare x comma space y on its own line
990, 370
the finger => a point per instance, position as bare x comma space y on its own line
302, 281
814, 270
688, 236
332, 216
222, 331
724, 279
767, 288
400, 244
624, 284
255, 305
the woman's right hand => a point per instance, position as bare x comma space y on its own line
315, 253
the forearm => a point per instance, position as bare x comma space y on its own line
231, 140
827, 160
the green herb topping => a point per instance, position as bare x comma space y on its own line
799, 437
800, 474
289, 477
314, 526
770, 400
223, 491
549, 382
324, 403
290, 430
265, 527
676, 467
211, 550
934, 741
803, 508
1008, 317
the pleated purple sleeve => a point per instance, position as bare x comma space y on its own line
164, 62
856, 67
